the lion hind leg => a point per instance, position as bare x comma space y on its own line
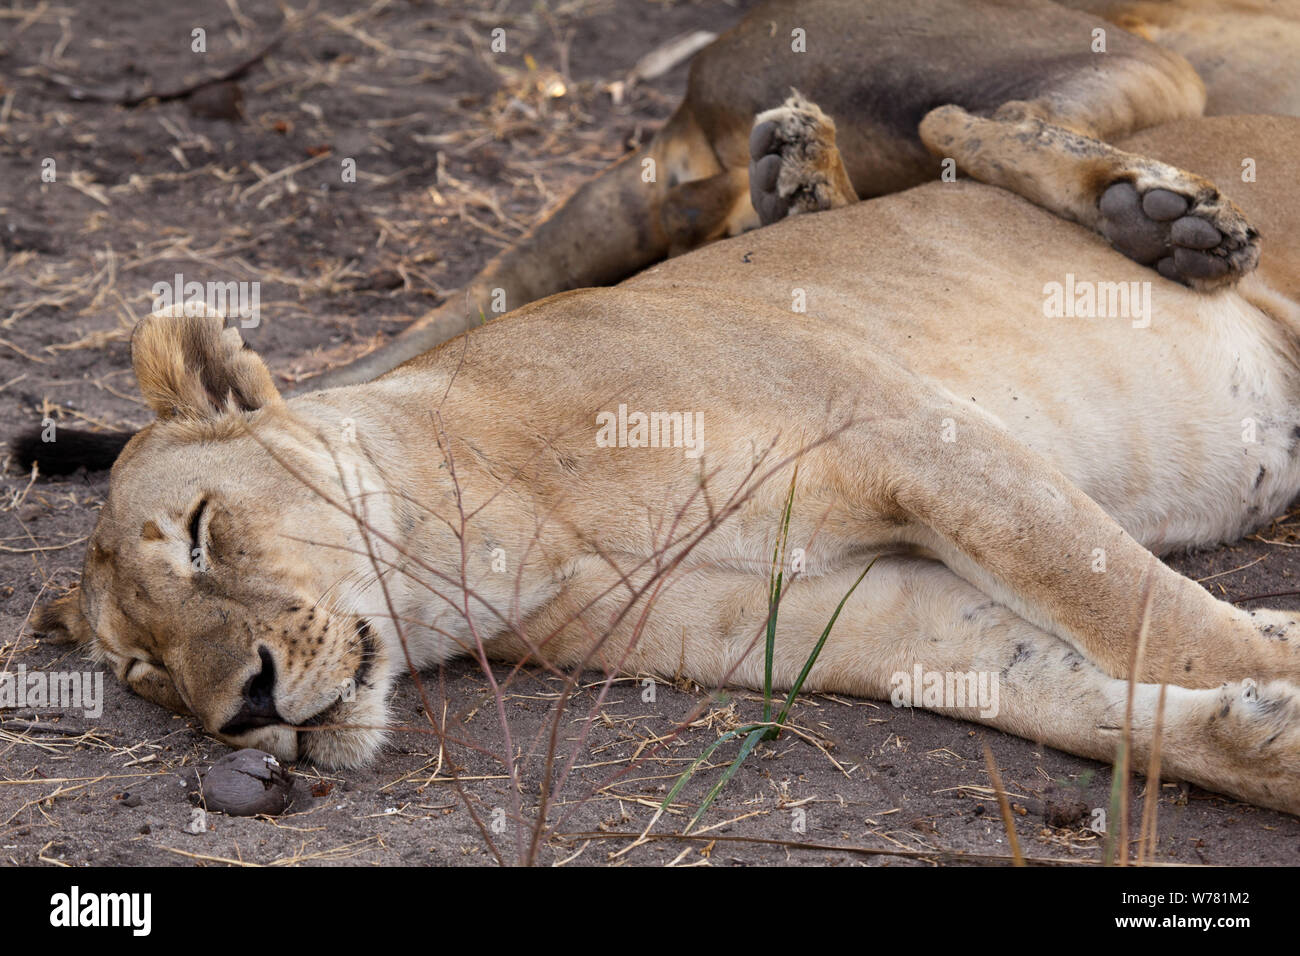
1241, 739
701, 210
608, 229
1154, 213
919, 635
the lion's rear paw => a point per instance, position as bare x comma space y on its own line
1257, 726
794, 165
1202, 239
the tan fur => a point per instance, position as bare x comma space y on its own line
874, 68
984, 453
1068, 173
813, 177
1239, 47
192, 370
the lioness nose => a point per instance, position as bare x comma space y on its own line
258, 708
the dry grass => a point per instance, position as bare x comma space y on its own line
128, 237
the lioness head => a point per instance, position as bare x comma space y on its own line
218, 581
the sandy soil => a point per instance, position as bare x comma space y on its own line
457, 150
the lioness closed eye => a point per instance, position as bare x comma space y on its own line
986, 452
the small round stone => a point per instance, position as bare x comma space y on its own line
1063, 812
223, 101
247, 782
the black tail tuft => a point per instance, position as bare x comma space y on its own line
70, 450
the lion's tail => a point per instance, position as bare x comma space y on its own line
71, 449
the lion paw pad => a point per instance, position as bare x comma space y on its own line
1205, 241
793, 162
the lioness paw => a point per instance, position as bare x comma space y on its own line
794, 164
1258, 726
1182, 226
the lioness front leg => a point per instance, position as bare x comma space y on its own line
1005, 519
794, 164
1155, 214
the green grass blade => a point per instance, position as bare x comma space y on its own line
776, 579
769, 652
770, 730
812, 658
750, 743
695, 764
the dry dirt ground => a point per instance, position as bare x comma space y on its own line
457, 149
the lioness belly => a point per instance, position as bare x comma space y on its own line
1173, 410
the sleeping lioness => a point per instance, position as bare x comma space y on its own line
1010, 469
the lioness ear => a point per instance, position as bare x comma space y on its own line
189, 366
62, 622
